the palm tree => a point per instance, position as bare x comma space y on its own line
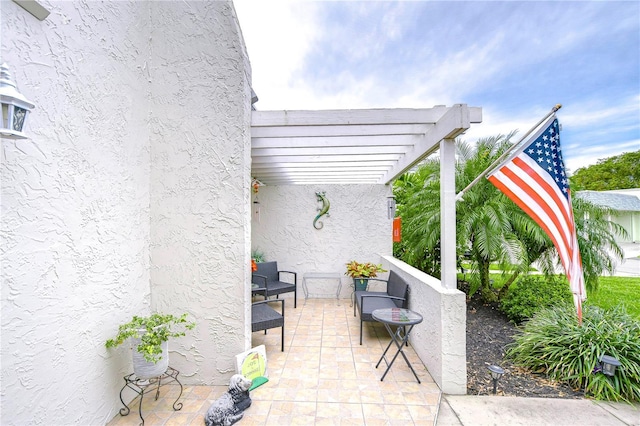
484, 217
490, 227
415, 193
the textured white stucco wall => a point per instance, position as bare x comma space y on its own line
200, 169
440, 339
357, 229
133, 182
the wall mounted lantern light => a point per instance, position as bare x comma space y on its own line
391, 207
15, 107
608, 365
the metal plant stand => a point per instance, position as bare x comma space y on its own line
142, 386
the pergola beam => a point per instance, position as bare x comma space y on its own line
291, 147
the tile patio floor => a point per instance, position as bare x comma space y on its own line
324, 377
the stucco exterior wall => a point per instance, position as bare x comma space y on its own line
133, 183
357, 229
440, 339
200, 169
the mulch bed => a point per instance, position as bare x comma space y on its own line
488, 333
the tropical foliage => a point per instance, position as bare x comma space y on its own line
553, 342
618, 172
491, 229
363, 270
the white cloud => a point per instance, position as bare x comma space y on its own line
513, 59
278, 35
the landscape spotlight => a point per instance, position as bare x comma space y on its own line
608, 365
496, 373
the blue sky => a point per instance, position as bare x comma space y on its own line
515, 59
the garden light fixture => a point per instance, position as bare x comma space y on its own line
15, 107
608, 365
496, 373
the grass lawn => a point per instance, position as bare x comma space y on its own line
617, 290
492, 267
612, 291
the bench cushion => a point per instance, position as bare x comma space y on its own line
370, 304
264, 317
396, 287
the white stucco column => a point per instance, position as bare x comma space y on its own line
448, 213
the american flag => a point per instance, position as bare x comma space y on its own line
534, 178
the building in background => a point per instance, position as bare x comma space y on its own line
626, 203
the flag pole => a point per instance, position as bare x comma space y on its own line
506, 153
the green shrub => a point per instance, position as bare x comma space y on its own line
553, 342
531, 293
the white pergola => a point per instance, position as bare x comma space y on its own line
373, 146
349, 146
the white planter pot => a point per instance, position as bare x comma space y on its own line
147, 370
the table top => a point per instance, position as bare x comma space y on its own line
321, 275
397, 316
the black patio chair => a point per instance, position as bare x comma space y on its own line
268, 276
264, 317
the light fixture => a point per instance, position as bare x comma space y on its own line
496, 373
391, 207
608, 365
15, 107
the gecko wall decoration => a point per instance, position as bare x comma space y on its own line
324, 210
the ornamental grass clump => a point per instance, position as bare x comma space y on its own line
553, 342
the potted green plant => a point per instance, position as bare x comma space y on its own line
257, 255
150, 335
361, 272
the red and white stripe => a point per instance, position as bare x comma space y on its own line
534, 190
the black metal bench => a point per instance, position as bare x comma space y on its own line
264, 317
395, 296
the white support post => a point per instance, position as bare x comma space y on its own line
448, 213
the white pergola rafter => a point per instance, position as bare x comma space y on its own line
349, 146
363, 147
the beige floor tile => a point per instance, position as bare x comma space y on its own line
422, 415
350, 413
306, 395
327, 396
179, 419
197, 420
281, 408
397, 412
371, 397
304, 409
374, 411
275, 420
324, 421
252, 419
303, 420
257, 412
324, 377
